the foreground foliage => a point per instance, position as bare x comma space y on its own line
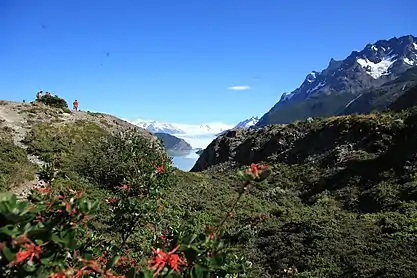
340, 201
61, 232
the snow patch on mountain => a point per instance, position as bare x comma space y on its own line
408, 61
376, 70
155, 126
286, 96
175, 128
312, 76
352, 101
248, 122
318, 86
252, 121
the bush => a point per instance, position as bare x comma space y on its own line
14, 165
54, 101
52, 236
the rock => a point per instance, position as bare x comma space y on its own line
331, 142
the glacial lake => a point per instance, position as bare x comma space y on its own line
185, 162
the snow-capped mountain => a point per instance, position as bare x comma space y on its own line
248, 122
157, 127
374, 65
244, 124
175, 128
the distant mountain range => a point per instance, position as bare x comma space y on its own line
178, 129
173, 128
369, 79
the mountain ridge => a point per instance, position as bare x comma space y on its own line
250, 122
377, 63
175, 128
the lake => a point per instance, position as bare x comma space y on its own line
185, 162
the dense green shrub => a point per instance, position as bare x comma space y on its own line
54, 101
52, 236
14, 165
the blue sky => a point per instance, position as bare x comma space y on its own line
175, 60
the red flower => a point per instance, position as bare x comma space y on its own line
212, 234
58, 275
112, 201
43, 190
79, 194
30, 251
256, 169
160, 169
162, 258
124, 187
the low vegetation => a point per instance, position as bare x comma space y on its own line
15, 168
54, 101
337, 199
105, 205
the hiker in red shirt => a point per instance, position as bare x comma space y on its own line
75, 105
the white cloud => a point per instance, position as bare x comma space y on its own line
239, 88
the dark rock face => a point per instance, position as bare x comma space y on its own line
172, 143
407, 100
325, 93
329, 142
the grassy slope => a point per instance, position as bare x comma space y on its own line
306, 216
14, 165
329, 217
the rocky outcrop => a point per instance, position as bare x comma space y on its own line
329, 142
172, 143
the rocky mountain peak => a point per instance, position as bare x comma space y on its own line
384, 59
376, 64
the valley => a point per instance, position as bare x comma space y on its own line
324, 184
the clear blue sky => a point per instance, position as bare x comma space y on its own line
174, 60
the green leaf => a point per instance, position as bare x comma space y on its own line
89, 206
47, 260
8, 230
112, 262
6, 196
56, 239
189, 239
241, 174
8, 254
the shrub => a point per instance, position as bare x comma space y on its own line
51, 236
14, 165
54, 101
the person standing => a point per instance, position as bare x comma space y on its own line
75, 103
39, 96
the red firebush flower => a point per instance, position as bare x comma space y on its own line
256, 169
29, 251
43, 190
124, 187
170, 258
58, 275
112, 201
160, 169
